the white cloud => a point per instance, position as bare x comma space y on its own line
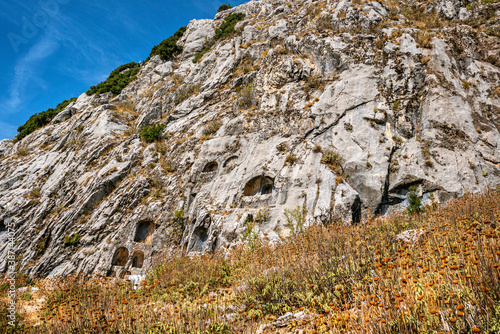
25, 71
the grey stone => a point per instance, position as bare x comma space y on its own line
410, 236
397, 113
284, 320
198, 33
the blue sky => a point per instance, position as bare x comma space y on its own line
53, 50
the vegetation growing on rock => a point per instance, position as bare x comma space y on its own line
227, 27
225, 30
415, 201
212, 127
333, 277
40, 119
70, 240
316, 81
152, 133
168, 47
333, 160
224, 7
117, 80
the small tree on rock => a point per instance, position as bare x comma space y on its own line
224, 7
415, 201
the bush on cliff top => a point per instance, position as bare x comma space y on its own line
224, 7
117, 80
226, 29
40, 119
168, 47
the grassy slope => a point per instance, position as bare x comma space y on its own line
349, 278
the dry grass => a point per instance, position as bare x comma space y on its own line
496, 92
423, 39
23, 151
354, 279
126, 107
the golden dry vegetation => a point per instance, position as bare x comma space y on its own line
346, 279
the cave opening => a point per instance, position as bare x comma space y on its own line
201, 233
356, 211
260, 185
138, 259
121, 257
200, 237
230, 162
144, 232
211, 167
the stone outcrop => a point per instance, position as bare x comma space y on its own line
249, 131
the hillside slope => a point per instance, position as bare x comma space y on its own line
441, 276
310, 111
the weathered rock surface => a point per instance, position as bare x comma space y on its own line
246, 130
410, 236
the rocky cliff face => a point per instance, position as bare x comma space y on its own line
312, 110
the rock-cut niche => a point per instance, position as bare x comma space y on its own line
230, 162
3, 228
260, 185
121, 256
144, 232
200, 237
356, 211
138, 259
211, 167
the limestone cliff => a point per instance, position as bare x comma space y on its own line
313, 110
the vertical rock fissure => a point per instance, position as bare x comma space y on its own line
356, 211
315, 199
385, 196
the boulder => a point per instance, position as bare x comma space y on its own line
197, 35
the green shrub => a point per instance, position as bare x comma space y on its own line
415, 201
200, 54
179, 214
167, 166
227, 28
262, 215
168, 48
249, 235
117, 80
122, 68
218, 328
38, 120
151, 133
224, 7
70, 240
296, 218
